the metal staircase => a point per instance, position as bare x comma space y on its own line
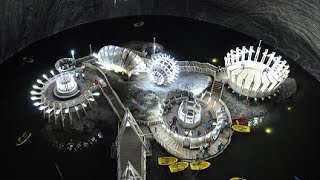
217, 88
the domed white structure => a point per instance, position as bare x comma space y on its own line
189, 113
254, 74
163, 70
66, 86
120, 59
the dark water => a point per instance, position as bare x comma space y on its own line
291, 150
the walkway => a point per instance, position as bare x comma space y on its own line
164, 138
130, 143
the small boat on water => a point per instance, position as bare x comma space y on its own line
199, 165
178, 166
240, 121
241, 128
167, 160
237, 178
23, 138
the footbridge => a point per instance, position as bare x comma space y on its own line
130, 143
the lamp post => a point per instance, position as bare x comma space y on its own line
72, 53
154, 45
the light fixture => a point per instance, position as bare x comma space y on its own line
72, 53
96, 94
39, 81
36, 87
51, 72
42, 108
37, 103
34, 98
35, 93
58, 111
90, 99
45, 77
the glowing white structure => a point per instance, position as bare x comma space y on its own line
66, 86
56, 97
189, 114
120, 59
163, 70
254, 74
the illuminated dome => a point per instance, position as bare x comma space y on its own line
66, 86
163, 70
254, 74
120, 59
189, 113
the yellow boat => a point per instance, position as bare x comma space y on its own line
237, 178
196, 165
241, 128
23, 138
168, 160
178, 166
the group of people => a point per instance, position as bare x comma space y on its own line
204, 150
173, 123
65, 64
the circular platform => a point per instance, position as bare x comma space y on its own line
214, 119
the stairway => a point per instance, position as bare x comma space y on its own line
115, 102
217, 88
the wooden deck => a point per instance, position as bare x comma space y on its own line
173, 147
131, 150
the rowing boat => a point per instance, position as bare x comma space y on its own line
167, 160
196, 165
241, 128
23, 138
178, 166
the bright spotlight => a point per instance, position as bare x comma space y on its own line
39, 81
34, 98
214, 60
45, 77
84, 105
34, 92
36, 87
96, 94
76, 108
51, 72
58, 111
42, 108
72, 53
289, 108
268, 130
37, 103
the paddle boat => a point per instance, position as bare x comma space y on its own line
237, 178
240, 121
199, 165
178, 166
23, 138
167, 160
241, 128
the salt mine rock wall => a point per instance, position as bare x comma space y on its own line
293, 27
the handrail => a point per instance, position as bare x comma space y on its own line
108, 84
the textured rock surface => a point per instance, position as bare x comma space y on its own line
287, 89
240, 107
293, 27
